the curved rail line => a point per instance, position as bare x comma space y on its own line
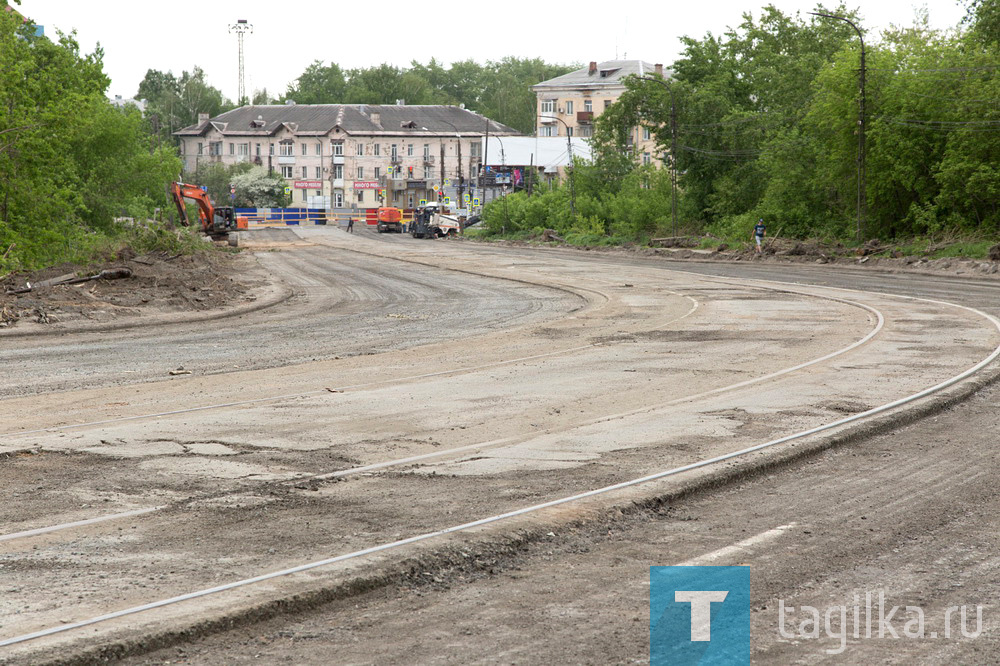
478, 446
572, 498
529, 509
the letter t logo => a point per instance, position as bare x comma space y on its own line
701, 611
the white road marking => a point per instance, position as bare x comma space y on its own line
737, 548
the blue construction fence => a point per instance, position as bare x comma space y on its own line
291, 216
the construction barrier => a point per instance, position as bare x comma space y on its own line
273, 217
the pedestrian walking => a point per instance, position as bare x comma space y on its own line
350, 225
759, 231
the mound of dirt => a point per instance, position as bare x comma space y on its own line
148, 284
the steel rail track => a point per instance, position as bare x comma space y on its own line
576, 497
479, 446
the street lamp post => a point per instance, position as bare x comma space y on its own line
673, 149
862, 188
569, 152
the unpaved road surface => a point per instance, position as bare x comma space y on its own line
405, 388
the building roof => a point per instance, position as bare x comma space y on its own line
370, 119
607, 73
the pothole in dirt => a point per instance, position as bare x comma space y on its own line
845, 406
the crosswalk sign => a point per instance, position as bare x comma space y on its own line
447, 201
475, 202
423, 202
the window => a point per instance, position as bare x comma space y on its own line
319, 172
338, 171
270, 149
338, 149
378, 172
427, 151
409, 150
545, 130
305, 150
305, 196
585, 130
361, 196
376, 150
474, 149
645, 158
569, 108
319, 149
361, 173
548, 106
645, 134
201, 148
243, 149
607, 103
232, 149
285, 150
395, 155
286, 172
305, 172
588, 105
258, 150
361, 149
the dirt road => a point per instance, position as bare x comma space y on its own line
412, 387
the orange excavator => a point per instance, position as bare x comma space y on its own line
216, 221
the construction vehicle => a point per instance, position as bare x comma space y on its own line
430, 222
389, 219
216, 221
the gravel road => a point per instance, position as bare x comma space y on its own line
411, 386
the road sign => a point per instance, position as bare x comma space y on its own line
423, 202
466, 197
288, 190
447, 182
447, 201
435, 188
475, 202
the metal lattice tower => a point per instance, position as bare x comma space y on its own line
241, 27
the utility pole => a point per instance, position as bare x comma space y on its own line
569, 152
241, 27
862, 122
673, 149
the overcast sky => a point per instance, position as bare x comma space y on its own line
286, 38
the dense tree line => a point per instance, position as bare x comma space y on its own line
766, 125
70, 162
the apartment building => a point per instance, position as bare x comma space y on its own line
568, 104
350, 155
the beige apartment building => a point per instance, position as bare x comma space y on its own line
568, 104
351, 156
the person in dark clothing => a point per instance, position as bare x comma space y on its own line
350, 225
759, 230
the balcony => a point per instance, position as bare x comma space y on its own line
547, 117
584, 117
428, 159
286, 159
338, 159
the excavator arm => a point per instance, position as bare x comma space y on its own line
182, 191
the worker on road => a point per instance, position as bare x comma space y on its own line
759, 230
